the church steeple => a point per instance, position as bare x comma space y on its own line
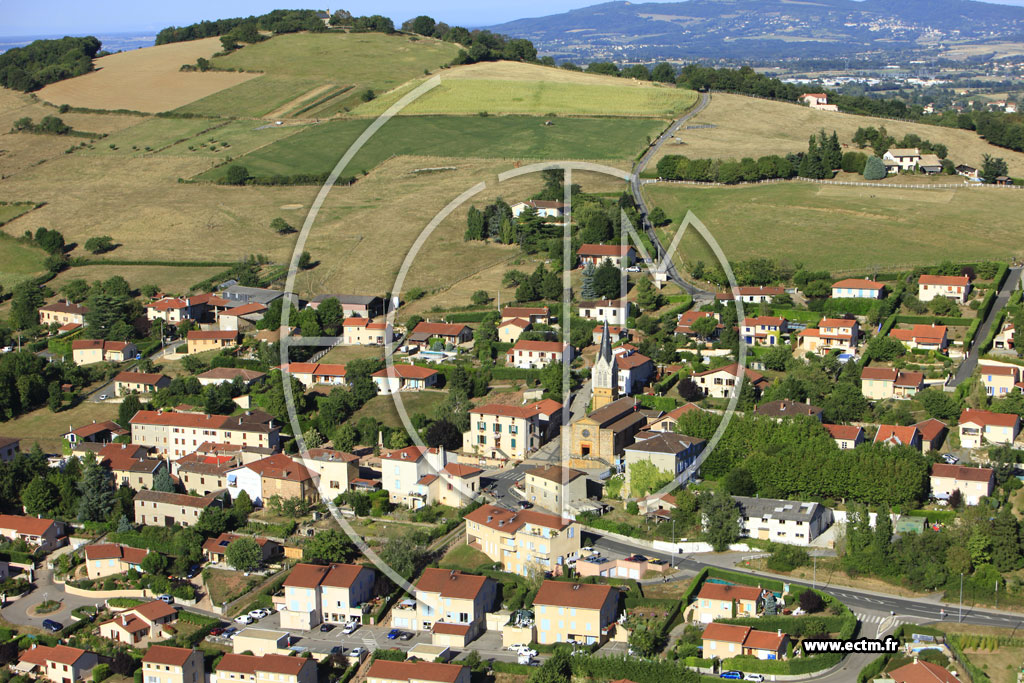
604, 377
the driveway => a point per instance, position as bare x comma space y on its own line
966, 368
45, 589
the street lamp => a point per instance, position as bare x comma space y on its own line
960, 614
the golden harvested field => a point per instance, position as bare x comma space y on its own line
146, 80
516, 88
751, 127
20, 151
45, 427
169, 279
15, 105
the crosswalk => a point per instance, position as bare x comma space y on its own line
889, 620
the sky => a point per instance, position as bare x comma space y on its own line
79, 17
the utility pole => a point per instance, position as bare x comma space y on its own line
960, 615
814, 576
997, 594
674, 540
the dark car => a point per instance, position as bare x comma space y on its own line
394, 633
525, 504
51, 625
405, 636
193, 571
736, 675
324, 628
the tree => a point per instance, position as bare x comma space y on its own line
163, 482
480, 298
557, 669
129, 406
422, 25
124, 524
401, 554
704, 327
243, 554
242, 507
607, 280
40, 497
327, 546
811, 602
55, 397
1006, 542
474, 225
658, 217
213, 521
281, 226
236, 175
154, 563
26, 299
992, 168
97, 493
722, 520
443, 433
663, 73
874, 169
587, 290
646, 295
645, 641
98, 245
305, 261
739, 482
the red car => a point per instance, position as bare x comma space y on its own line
216, 631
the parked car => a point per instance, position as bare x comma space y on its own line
405, 636
525, 504
257, 614
166, 598
393, 634
324, 628
51, 625
356, 652
350, 627
950, 458
229, 632
735, 675
586, 550
244, 619
193, 571
758, 678
103, 397
633, 269
216, 631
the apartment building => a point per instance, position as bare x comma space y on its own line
585, 613
526, 542
106, 559
159, 508
178, 434
499, 432
726, 601
164, 664
553, 487
205, 473
384, 671
782, 521
449, 603
270, 668
669, 452
335, 470
333, 594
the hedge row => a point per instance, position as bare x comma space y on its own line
973, 672
635, 670
934, 516
471, 317
784, 667
663, 403
983, 311
852, 305
950, 321
745, 579
871, 671
177, 264
997, 325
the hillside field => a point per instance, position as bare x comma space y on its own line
19, 262
752, 127
300, 68
846, 228
317, 148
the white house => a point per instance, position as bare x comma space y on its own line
538, 354
857, 289
611, 311
404, 377
901, 159
545, 209
955, 287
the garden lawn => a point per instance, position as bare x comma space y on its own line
465, 558
20, 261
383, 408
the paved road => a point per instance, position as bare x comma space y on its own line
638, 197
966, 368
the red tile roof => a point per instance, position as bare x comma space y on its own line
280, 466
203, 335
555, 473
139, 377
439, 329
894, 434
250, 664
988, 418
719, 591
408, 454
30, 526
504, 410
1007, 370
922, 672
244, 309
155, 609
451, 583
930, 429
405, 371
511, 521
732, 369
603, 250
107, 551
844, 432
962, 473
945, 280
765, 640
461, 471
530, 345
163, 654
726, 633
421, 671
854, 283
565, 594
523, 311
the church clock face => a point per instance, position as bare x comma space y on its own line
585, 433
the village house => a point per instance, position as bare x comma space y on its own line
499, 431
930, 164
933, 434
543, 207
174, 310
898, 159
921, 671
831, 334
159, 508
764, 330
880, 384
310, 375
364, 332
458, 485
215, 549
1004, 340
684, 324
87, 351
897, 435
723, 641
211, 340
596, 254
978, 427
140, 623
857, 289
449, 604
536, 315
585, 613
719, 382
510, 330
332, 594
407, 474
726, 601
270, 668
242, 318
611, 311
353, 305
228, 375
955, 287
449, 333
62, 313
819, 101
106, 559
524, 541
604, 433
205, 473
59, 663
384, 671
966, 171
784, 409
657, 506
615, 333
237, 295
999, 380
96, 432
130, 465
38, 532
126, 382
782, 521
925, 337
178, 434
403, 377
10, 447
972, 482
669, 452
538, 354
635, 370
276, 475
751, 295
553, 487
334, 469
164, 664
846, 436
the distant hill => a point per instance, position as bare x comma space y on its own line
755, 29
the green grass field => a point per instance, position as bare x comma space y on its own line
155, 133
295, 65
383, 407
846, 228
318, 148
8, 212
19, 261
537, 97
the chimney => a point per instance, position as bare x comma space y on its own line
778, 632
575, 586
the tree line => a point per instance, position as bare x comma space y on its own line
42, 62
277, 21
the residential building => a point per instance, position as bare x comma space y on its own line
384, 671
450, 599
163, 664
538, 354
9, 448
178, 434
585, 613
684, 324
846, 436
130, 465
240, 294
410, 475
38, 532
595, 254
228, 375
631, 567
979, 427
510, 330
205, 473
615, 333
966, 171
999, 380
215, 549
312, 374
87, 351
611, 311
242, 318
159, 508
783, 409
667, 422
173, 310
719, 382
458, 485
499, 431
726, 601
723, 641
933, 434
603, 434
921, 671
669, 452
543, 207
973, 483
657, 506
259, 642
896, 435
751, 295
365, 332
553, 487
854, 288
635, 370
353, 305
1004, 340
62, 313
955, 287
782, 521
537, 315
404, 377
335, 470
333, 594
898, 159
881, 384
925, 337
106, 559
765, 330
96, 432
276, 475
59, 664
830, 334
126, 382
140, 623
930, 164
818, 101
449, 333
211, 340
524, 541
270, 668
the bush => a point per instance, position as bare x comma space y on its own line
874, 169
100, 672
786, 558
